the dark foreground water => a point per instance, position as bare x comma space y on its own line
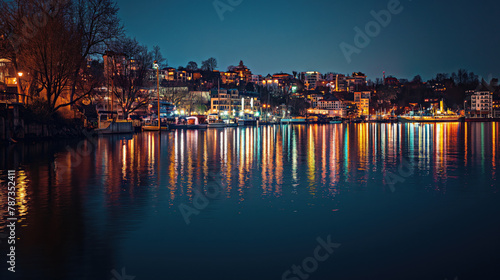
364, 201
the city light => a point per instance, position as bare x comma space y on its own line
217, 169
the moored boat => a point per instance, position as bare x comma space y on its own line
431, 119
116, 127
217, 124
432, 115
247, 122
294, 121
192, 122
336, 120
153, 126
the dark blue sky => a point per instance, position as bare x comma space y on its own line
426, 37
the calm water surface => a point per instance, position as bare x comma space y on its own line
414, 201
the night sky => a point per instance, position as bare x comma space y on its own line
426, 37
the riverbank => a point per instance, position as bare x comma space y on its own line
19, 124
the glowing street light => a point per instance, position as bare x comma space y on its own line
19, 86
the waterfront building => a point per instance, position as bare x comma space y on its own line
479, 104
362, 101
332, 105
496, 108
234, 103
314, 98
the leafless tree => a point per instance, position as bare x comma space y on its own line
193, 66
51, 41
97, 23
157, 56
130, 85
209, 64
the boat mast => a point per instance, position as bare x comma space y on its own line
218, 97
158, 92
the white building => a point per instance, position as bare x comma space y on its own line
480, 104
232, 102
332, 107
314, 99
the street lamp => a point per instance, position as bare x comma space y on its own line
19, 87
156, 66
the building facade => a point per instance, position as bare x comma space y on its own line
8, 81
362, 100
311, 78
234, 103
479, 104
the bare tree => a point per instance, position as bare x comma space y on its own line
209, 64
130, 81
52, 40
193, 66
50, 54
97, 23
157, 56
175, 94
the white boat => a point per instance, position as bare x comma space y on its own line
216, 124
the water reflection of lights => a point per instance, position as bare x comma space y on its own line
274, 160
311, 161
